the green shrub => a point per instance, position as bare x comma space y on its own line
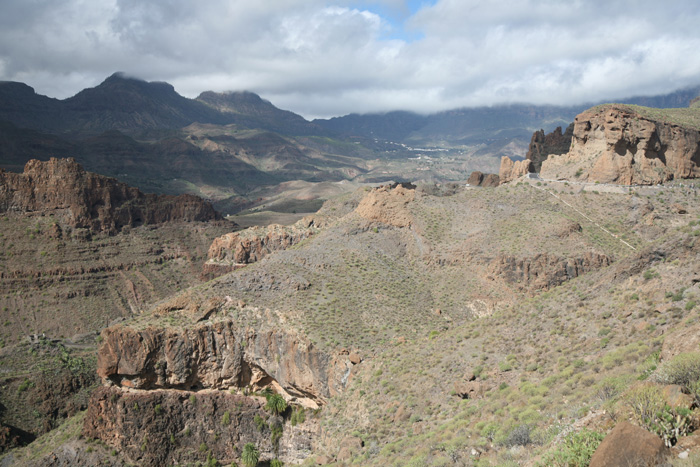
250, 455
260, 423
646, 401
226, 419
683, 370
158, 409
576, 450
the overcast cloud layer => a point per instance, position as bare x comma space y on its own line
323, 58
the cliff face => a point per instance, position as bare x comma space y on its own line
618, 144
92, 201
237, 249
544, 271
155, 428
220, 356
542, 145
510, 170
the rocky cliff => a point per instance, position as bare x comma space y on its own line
510, 170
544, 271
220, 355
542, 145
237, 249
92, 201
630, 145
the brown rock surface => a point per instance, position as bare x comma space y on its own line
93, 201
387, 204
544, 271
167, 427
220, 356
616, 144
511, 170
481, 179
237, 249
627, 445
542, 145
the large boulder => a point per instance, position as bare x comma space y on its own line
628, 445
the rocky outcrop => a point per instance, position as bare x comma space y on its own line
543, 271
220, 355
628, 444
237, 249
618, 144
166, 427
511, 170
92, 201
388, 205
542, 145
481, 179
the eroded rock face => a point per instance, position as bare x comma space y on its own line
542, 145
94, 202
613, 144
481, 179
544, 271
168, 427
237, 249
387, 204
511, 170
220, 356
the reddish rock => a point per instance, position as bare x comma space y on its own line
542, 145
511, 170
93, 201
387, 204
674, 397
220, 355
616, 144
354, 358
627, 445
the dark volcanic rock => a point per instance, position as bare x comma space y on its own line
481, 179
167, 427
542, 145
93, 201
544, 271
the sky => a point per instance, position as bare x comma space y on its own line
324, 58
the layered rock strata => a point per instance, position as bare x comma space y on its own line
92, 201
220, 355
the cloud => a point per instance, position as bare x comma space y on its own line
325, 58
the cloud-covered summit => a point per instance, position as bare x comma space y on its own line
325, 58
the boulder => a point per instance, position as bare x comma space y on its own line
627, 445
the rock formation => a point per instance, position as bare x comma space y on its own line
628, 444
510, 170
220, 355
542, 145
481, 179
237, 249
626, 145
92, 201
387, 204
154, 428
544, 271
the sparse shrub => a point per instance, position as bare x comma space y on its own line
226, 419
276, 404
26, 384
683, 370
203, 447
276, 463
519, 436
193, 399
645, 401
158, 409
250, 455
576, 450
298, 416
260, 423
690, 305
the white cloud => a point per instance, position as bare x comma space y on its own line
323, 58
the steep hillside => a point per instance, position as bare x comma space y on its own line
80, 251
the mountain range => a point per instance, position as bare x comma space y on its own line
235, 148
